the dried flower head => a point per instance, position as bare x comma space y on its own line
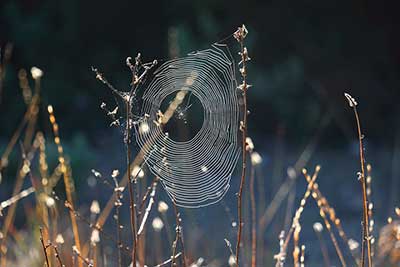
36, 73
241, 33
114, 173
352, 101
249, 144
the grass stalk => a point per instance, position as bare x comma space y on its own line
366, 238
68, 181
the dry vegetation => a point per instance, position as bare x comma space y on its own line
59, 233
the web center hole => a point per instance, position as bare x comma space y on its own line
185, 113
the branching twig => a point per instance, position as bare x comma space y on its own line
139, 72
240, 35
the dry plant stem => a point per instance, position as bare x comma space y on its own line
130, 183
6, 203
148, 209
318, 196
57, 254
177, 238
41, 207
137, 78
280, 258
290, 204
370, 206
147, 194
68, 181
27, 117
8, 222
296, 247
30, 130
82, 259
169, 260
297, 216
302, 257
241, 34
328, 227
366, 239
118, 204
44, 248
253, 219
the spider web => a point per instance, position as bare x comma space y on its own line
197, 172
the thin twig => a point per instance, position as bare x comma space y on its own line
76, 252
148, 209
117, 205
57, 254
169, 260
147, 194
253, 218
178, 237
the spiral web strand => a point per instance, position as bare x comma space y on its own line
197, 172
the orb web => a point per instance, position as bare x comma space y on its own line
196, 172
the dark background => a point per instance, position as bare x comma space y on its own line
305, 55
